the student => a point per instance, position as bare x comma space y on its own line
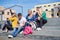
30, 18
36, 13
11, 23
7, 26
42, 19
37, 18
17, 30
14, 20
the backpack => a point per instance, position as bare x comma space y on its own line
27, 30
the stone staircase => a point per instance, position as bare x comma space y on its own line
53, 22
50, 31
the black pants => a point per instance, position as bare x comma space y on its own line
7, 26
40, 23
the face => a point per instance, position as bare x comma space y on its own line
29, 11
19, 17
37, 9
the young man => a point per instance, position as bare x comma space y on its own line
17, 30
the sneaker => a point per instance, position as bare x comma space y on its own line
4, 31
10, 36
38, 29
21, 32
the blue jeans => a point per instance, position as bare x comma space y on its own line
17, 31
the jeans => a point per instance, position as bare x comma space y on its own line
17, 31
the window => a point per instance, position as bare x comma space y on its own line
52, 14
46, 10
52, 9
49, 5
54, 5
57, 14
8, 13
2, 12
37, 7
58, 4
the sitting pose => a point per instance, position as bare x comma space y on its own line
11, 23
40, 18
17, 30
30, 18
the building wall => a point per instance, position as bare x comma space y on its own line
5, 15
1, 8
8, 15
48, 8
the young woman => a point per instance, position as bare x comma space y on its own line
11, 23
31, 18
17, 30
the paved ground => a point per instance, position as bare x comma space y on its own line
47, 33
51, 31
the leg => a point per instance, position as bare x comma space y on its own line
44, 22
9, 27
14, 31
39, 23
4, 27
17, 31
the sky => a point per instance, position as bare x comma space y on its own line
27, 4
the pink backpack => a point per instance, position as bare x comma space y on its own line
28, 30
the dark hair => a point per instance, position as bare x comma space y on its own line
19, 14
12, 13
28, 14
37, 7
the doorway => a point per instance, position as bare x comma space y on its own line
58, 14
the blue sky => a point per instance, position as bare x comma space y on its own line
27, 4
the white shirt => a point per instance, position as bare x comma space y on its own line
22, 21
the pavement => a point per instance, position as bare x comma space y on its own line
50, 31
47, 33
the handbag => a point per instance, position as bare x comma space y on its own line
27, 30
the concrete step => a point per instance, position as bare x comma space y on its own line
51, 27
31, 37
53, 22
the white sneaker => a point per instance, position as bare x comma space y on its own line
10, 36
21, 32
38, 29
4, 31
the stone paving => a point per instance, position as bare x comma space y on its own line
51, 31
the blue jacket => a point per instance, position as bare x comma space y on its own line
30, 19
36, 16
